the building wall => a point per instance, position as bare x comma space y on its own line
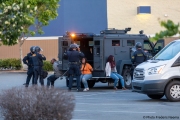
78, 16
123, 13
49, 46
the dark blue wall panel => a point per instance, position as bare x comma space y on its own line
78, 16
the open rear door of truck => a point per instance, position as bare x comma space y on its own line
158, 46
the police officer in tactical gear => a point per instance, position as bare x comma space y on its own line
74, 54
38, 58
138, 57
28, 61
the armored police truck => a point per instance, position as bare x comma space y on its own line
97, 48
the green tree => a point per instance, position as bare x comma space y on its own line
20, 19
171, 29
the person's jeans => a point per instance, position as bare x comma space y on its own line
116, 78
84, 78
74, 71
51, 79
37, 73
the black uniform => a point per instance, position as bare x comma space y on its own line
28, 61
38, 64
138, 57
74, 67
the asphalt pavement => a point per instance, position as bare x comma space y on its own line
103, 103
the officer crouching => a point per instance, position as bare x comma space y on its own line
38, 58
74, 54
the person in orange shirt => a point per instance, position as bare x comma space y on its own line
86, 73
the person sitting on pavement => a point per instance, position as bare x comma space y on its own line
51, 79
86, 73
112, 72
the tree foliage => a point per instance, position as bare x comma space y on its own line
170, 29
20, 19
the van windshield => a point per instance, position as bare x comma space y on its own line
169, 51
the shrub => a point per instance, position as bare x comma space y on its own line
10, 64
36, 103
47, 66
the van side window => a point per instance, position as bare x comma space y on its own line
130, 43
115, 42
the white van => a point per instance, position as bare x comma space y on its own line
161, 75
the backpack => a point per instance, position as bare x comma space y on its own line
44, 74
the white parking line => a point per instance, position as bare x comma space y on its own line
107, 104
97, 94
81, 119
135, 112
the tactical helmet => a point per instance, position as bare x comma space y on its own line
37, 49
31, 48
74, 46
138, 45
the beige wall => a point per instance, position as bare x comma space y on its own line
50, 49
123, 13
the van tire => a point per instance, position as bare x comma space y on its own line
91, 83
155, 96
127, 77
173, 86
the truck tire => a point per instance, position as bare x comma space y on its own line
127, 77
82, 85
172, 91
67, 82
91, 83
155, 96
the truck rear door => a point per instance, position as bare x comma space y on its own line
158, 46
98, 54
63, 46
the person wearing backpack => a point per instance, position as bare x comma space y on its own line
51, 79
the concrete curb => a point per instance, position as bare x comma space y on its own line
19, 71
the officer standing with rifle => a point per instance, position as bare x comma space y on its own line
38, 58
138, 57
74, 54
28, 61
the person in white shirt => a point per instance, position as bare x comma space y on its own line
112, 72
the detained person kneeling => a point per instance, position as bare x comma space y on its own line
112, 72
51, 79
86, 73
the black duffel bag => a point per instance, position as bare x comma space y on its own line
44, 74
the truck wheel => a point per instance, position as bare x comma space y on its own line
155, 96
127, 77
91, 83
67, 82
82, 85
172, 91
